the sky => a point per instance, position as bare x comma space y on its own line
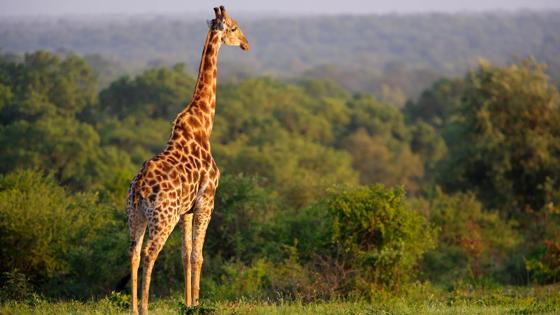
100, 7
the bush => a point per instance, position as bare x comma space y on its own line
541, 246
34, 224
15, 286
263, 279
381, 237
544, 266
243, 210
69, 245
472, 242
120, 300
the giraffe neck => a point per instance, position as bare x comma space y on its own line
203, 102
207, 71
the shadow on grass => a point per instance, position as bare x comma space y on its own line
201, 309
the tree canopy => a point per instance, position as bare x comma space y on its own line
312, 201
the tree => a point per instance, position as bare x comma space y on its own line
140, 137
436, 105
430, 146
378, 140
243, 213
64, 147
41, 99
44, 84
299, 170
377, 162
505, 146
156, 93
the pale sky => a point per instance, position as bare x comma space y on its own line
80, 7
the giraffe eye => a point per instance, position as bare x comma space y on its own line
233, 29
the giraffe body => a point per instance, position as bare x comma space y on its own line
178, 184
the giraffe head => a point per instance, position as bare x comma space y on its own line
230, 31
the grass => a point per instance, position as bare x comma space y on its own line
418, 300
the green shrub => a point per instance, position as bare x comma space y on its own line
69, 245
473, 243
544, 266
236, 280
263, 279
15, 286
382, 238
34, 223
120, 300
243, 211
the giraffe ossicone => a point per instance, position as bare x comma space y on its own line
178, 184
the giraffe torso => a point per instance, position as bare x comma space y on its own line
173, 180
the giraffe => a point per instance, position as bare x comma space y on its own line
178, 184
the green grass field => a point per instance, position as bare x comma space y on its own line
535, 300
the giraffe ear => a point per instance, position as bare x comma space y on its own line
223, 11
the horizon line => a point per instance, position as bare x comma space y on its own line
281, 14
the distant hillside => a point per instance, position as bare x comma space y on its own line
376, 53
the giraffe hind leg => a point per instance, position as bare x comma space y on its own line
158, 234
137, 228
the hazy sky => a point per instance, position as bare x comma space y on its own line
58, 7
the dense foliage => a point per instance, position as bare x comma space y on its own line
66, 243
381, 236
312, 202
506, 140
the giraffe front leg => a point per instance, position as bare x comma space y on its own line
199, 231
200, 223
158, 236
149, 261
186, 251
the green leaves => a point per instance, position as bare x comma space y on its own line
53, 236
473, 242
382, 236
68, 149
281, 148
506, 145
45, 84
156, 93
41, 100
243, 212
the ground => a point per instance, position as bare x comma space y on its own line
504, 300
